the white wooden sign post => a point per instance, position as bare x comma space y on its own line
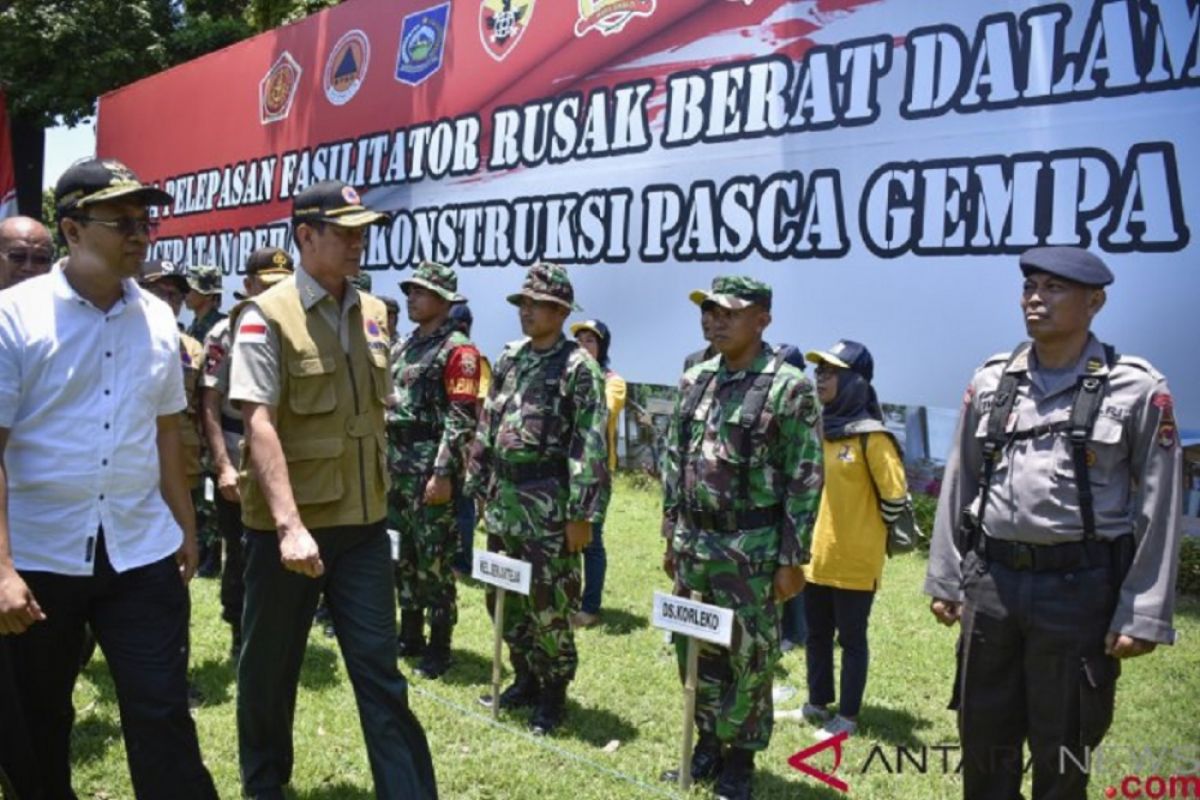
507, 575
697, 621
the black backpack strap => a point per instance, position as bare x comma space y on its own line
1089, 393
552, 374
997, 438
753, 403
687, 410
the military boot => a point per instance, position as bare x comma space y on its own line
737, 776
436, 660
551, 707
411, 641
706, 761
524, 690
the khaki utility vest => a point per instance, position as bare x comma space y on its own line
330, 414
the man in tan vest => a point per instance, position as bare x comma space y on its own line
309, 371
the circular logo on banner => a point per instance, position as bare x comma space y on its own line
347, 67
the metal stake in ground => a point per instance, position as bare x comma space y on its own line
697, 621
507, 575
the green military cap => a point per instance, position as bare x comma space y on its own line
437, 278
734, 292
362, 281
204, 278
547, 283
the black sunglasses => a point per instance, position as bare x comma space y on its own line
125, 226
38, 258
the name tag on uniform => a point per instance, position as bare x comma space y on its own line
502, 571
698, 620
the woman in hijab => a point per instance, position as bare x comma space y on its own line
594, 336
865, 490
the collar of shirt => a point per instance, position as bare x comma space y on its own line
63, 290
1091, 362
445, 329
312, 292
758, 365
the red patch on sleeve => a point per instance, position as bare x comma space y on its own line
1163, 401
462, 375
252, 329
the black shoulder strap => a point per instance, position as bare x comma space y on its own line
997, 438
552, 374
753, 403
1089, 393
687, 410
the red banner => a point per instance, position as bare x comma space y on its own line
8, 178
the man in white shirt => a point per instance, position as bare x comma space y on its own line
96, 523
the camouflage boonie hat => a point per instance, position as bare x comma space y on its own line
362, 281
548, 283
204, 278
437, 278
734, 292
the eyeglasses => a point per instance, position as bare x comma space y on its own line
126, 226
38, 258
824, 370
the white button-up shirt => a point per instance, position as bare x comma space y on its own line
80, 392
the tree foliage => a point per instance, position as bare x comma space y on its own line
58, 56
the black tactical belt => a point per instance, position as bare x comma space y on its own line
533, 471
232, 425
731, 521
413, 432
1023, 556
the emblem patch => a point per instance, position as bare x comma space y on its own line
277, 89
351, 196
610, 16
346, 67
845, 455
502, 23
1094, 365
469, 364
1167, 434
422, 44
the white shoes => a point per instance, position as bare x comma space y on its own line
813, 715
833, 727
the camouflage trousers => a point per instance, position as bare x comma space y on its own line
428, 544
733, 690
206, 516
531, 526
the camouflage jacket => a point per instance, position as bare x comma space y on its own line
519, 425
200, 327
706, 464
436, 380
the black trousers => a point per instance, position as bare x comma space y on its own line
140, 620
279, 609
233, 587
17, 768
1032, 668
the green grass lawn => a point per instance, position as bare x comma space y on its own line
624, 713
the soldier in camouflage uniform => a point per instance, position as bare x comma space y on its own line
436, 377
540, 465
203, 299
223, 431
741, 482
